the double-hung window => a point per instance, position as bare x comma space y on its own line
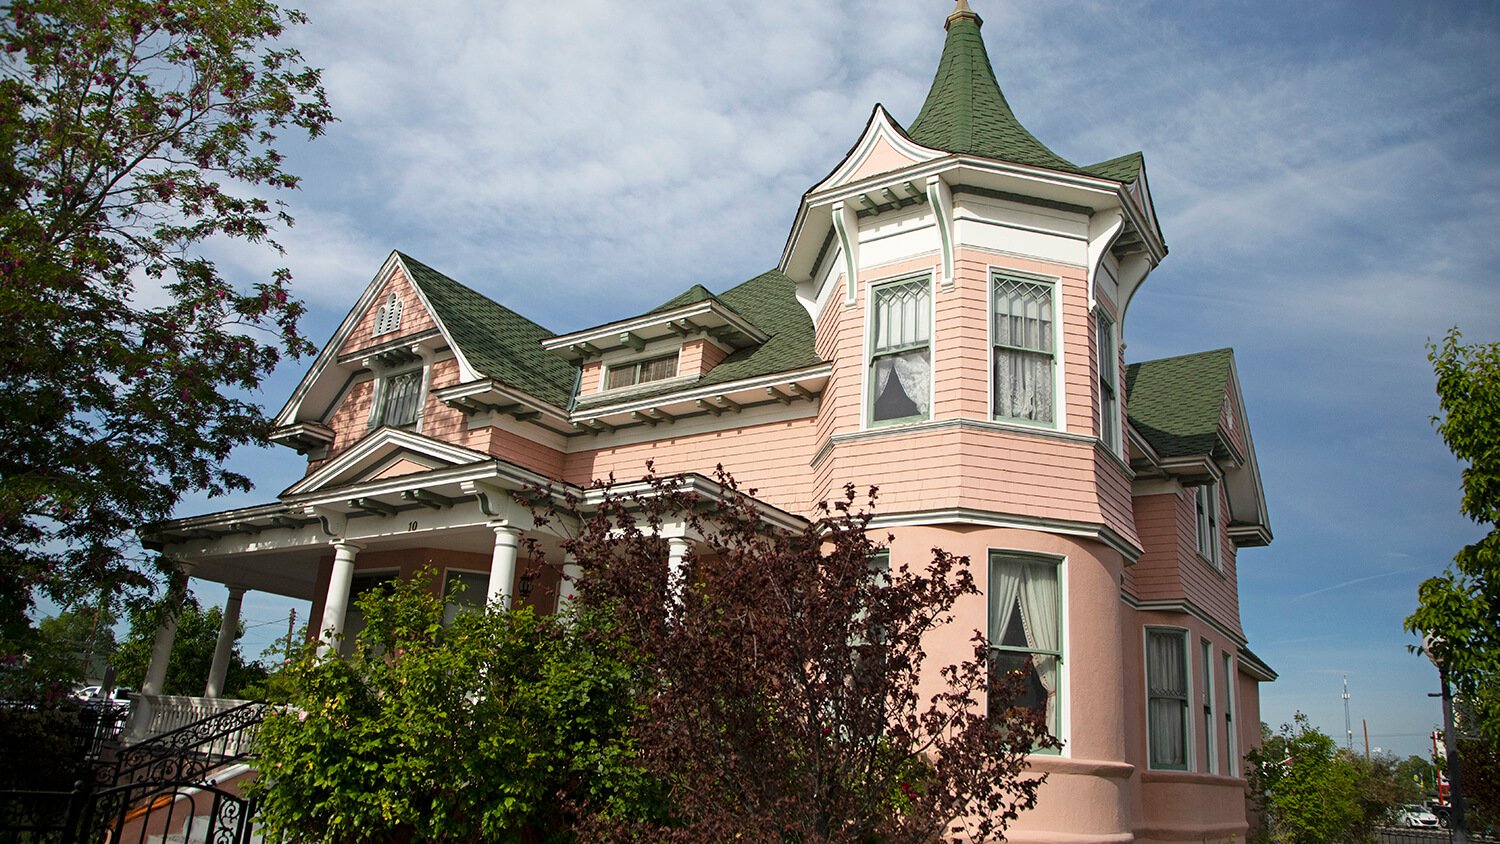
642, 372
1210, 735
900, 351
1167, 699
401, 395
1024, 350
1109, 402
465, 592
1206, 502
1231, 743
1025, 630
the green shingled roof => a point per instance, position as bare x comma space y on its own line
769, 302
1174, 403
966, 112
495, 340
692, 296
1126, 168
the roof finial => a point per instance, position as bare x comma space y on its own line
963, 11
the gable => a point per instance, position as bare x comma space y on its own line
379, 325
386, 453
883, 147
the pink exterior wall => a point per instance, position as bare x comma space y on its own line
698, 356
414, 318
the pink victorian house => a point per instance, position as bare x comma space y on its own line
945, 321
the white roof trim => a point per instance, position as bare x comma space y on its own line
379, 446
880, 127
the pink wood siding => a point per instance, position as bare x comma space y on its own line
1112, 486
414, 318
349, 422
771, 457
518, 449
1171, 569
1228, 426
440, 421
592, 380
698, 356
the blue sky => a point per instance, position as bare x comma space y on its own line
1325, 174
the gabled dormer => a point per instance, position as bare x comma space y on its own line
1188, 426
420, 352
698, 355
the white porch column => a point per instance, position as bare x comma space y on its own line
571, 571
503, 565
677, 551
229, 626
166, 632
336, 604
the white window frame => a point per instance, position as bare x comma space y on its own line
636, 364
871, 293
1063, 709
378, 412
1206, 517
1189, 745
1209, 708
1109, 380
451, 608
1059, 399
1231, 736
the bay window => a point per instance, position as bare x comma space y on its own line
900, 351
1025, 630
1024, 347
1167, 699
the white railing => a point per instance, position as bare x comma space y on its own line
152, 715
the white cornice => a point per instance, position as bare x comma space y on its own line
986, 518
383, 442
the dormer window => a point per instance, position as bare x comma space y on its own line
388, 316
642, 372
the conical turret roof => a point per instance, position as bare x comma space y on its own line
965, 111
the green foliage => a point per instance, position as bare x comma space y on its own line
192, 652
132, 132
489, 729
1309, 791
37, 752
1461, 607
1479, 769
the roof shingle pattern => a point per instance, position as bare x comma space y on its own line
1175, 403
495, 340
966, 112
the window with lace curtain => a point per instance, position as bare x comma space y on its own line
900, 351
1025, 630
1167, 699
1025, 352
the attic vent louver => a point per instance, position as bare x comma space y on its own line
388, 317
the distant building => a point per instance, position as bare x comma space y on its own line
945, 321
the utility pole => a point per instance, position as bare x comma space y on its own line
291, 627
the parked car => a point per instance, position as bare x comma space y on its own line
1414, 816
1439, 808
120, 694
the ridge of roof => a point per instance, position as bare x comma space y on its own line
693, 295
1175, 403
1127, 168
495, 340
966, 112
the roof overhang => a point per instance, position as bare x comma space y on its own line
709, 317
784, 388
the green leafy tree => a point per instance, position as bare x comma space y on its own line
131, 133
192, 652
487, 730
1462, 606
1306, 790
76, 645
